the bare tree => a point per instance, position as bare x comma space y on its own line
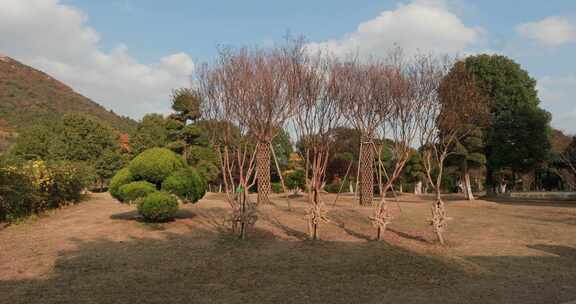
356, 83
261, 98
400, 106
454, 108
235, 149
318, 115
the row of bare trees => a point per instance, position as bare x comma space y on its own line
251, 94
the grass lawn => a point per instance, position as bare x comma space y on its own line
99, 252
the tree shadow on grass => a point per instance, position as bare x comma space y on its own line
529, 202
339, 217
559, 250
275, 222
207, 267
204, 266
566, 219
409, 236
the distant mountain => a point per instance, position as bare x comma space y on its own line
28, 96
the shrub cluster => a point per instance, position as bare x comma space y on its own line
36, 186
135, 190
155, 165
153, 180
121, 178
186, 183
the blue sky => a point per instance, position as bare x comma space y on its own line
129, 54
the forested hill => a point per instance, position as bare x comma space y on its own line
28, 95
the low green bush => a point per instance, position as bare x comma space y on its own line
35, 186
335, 187
155, 165
186, 183
121, 178
135, 190
18, 198
68, 183
277, 188
295, 180
158, 207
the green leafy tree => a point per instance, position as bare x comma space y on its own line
151, 132
295, 180
107, 165
282, 148
346, 149
414, 173
468, 154
523, 135
35, 142
75, 138
512, 94
82, 139
186, 103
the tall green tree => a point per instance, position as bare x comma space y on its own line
74, 138
186, 104
282, 148
151, 132
106, 166
521, 139
518, 125
414, 173
83, 139
468, 154
35, 141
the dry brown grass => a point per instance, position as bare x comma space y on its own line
97, 252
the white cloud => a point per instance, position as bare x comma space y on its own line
550, 31
55, 38
426, 25
558, 96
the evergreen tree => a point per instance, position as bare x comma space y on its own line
518, 139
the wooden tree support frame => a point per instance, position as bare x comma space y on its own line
439, 219
263, 172
366, 164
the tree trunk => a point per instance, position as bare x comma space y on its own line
418, 188
479, 184
502, 188
243, 223
468, 187
263, 172
185, 152
366, 164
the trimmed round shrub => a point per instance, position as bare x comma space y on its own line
158, 207
186, 183
155, 165
121, 178
135, 190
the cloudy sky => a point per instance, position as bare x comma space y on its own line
128, 54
